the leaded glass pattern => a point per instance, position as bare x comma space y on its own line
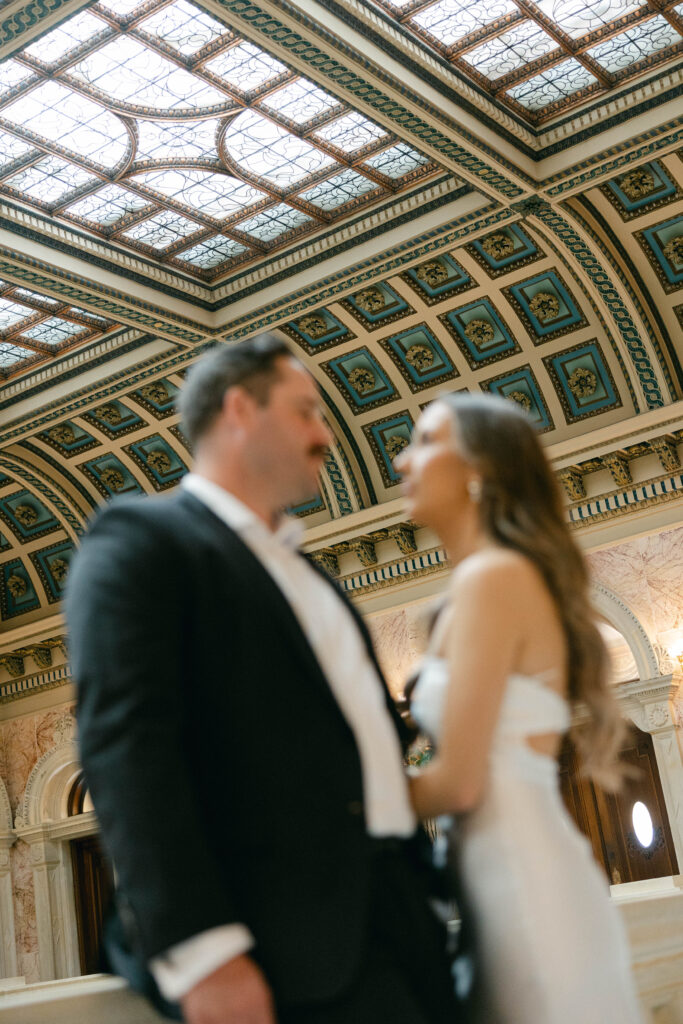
53, 331
245, 67
107, 206
449, 20
72, 121
155, 124
212, 252
552, 85
214, 195
337, 191
503, 54
12, 313
270, 224
67, 38
50, 180
12, 355
184, 27
162, 230
635, 44
580, 17
300, 101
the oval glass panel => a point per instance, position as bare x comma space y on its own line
642, 824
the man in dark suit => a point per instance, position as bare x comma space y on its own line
241, 749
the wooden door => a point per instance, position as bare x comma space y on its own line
93, 885
607, 819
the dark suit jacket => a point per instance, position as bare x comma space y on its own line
226, 780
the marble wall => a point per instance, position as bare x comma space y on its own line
23, 741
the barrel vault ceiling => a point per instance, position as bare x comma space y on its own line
419, 194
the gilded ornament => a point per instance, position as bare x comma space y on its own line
498, 246
480, 331
16, 585
582, 382
112, 478
371, 299
26, 515
545, 306
109, 413
362, 380
59, 568
63, 433
673, 250
313, 324
521, 399
637, 183
432, 273
395, 444
156, 392
159, 461
420, 356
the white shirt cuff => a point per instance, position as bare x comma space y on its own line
184, 965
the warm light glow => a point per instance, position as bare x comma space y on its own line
642, 824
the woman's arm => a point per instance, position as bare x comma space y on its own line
483, 640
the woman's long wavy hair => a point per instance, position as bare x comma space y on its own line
521, 508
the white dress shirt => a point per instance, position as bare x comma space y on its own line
341, 652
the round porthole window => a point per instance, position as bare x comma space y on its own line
642, 824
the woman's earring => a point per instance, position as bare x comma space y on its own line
474, 488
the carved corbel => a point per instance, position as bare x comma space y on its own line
405, 538
617, 463
327, 560
667, 452
365, 550
572, 481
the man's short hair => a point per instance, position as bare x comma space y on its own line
252, 364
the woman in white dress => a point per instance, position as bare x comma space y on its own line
513, 649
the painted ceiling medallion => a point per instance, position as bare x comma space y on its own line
433, 273
314, 325
155, 391
420, 356
112, 478
108, 413
673, 250
59, 569
370, 299
394, 445
545, 306
159, 461
521, 399
16, 585
638, 183
480, 331
26, 515
498, 246
362, 379
582, 382
63, 433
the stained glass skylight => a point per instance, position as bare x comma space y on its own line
517, 46
34, 327
155, 126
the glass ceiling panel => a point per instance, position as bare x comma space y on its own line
121, 8
212, 252
501, 55
551, 85
44, 299
138, 76
12, 313
54, 331
268, 151
107, 206
450, 20
397, 161
49, 180
268, 224
84, 314
10, 354
300, 101
245, 67
184, 27
215, 195
350, 132
338, 191
69, 36
12, 74
187, 140
161, 230
635, 44
12, 148
53, 112
579, 17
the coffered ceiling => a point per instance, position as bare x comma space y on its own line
420, 196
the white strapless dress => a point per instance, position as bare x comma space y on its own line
550, 944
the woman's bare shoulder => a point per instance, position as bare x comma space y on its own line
492, 565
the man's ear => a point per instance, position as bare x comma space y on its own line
238, 406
